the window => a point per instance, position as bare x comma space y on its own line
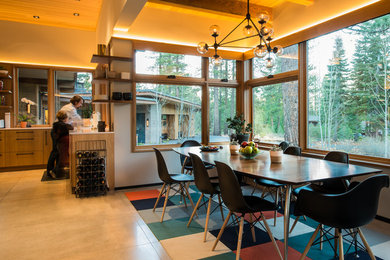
275, 112
167, 114
159, 63
222, 106
32, 96
288, 61
226, 70
348, 86
71, 83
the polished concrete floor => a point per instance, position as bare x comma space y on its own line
43, 220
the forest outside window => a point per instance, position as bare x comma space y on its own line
288, 61
222, 106
160, 63
225, 71
167, 114
348, 87
275, 113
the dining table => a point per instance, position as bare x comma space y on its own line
292, 171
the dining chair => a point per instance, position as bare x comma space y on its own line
241, 205
186, 161
284, 145
205, 186
345, 212
169, 182
273, 187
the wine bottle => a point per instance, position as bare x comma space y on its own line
94, 154
79, 154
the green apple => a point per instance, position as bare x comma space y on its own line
255, 150
252, 144
248, 149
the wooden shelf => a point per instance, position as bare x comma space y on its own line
103, 59
113, 80
6, 91
111, 101
5, 77
5, 107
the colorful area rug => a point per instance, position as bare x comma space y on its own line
181, 242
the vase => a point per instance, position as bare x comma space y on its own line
234, 148
276, 156
23, 124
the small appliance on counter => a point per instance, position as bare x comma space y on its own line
101, 126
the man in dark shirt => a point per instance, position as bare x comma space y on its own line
60, 130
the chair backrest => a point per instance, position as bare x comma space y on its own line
230, 188
336, 156
202, 179
293, 150
284, 145
188, 143
162, 167
336, 186
352, 209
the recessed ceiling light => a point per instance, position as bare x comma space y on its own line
76, 14
36, 17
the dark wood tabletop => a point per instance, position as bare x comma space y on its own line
292, 170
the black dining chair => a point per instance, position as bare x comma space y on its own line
273, 187
205, 186
345, 212
186, 161
169, 180
238, 203
284, 145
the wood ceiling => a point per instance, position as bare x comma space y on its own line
58, 13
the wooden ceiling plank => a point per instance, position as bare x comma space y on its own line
302, 2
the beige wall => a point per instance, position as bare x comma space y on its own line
290, 17
38, 44
111, 9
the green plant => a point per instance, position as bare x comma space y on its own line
234, 142
237, 123
26, 117
276, 148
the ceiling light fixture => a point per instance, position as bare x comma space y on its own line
262, 50
35, 16
76, 14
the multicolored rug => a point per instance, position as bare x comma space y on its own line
181, 242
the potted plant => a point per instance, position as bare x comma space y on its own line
242, 130
86, 114
234, 147
26, 119
276, 154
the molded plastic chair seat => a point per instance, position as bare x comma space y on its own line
349, 210
186, 161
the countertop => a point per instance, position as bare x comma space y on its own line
88, 133
27, 128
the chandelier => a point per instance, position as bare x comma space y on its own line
264, 32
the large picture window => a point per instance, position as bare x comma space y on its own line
348, 85
167, 114
222, 106
275, 112
226, 70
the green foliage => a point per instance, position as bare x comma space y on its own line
237, 123
27, 117
85, 80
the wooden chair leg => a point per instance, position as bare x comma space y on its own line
240, 237
335, 242
183, 194
165, 202
295, 223
159, 196
207, 219
321, 236
220, 206
271, 236
222, 229
276, 202
195, 209
340, 239
252, 229
189, 196
265, 189
371, 254
307, 248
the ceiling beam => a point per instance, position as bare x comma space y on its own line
224, 6
302, 2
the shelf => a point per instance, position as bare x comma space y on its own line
5, 107
5, 77
113, 80
111, 101
107, 59
6, 91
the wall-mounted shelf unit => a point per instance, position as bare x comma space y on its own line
6, 91
104, 59
6, 107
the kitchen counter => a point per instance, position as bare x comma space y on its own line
27, 128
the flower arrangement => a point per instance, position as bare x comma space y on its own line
237, 123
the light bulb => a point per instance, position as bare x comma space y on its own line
249, 30
267, 30
214, 30
278, 50
216, 60
263, 17
269, 61
202, 47
260, 51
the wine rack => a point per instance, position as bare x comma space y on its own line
91, 169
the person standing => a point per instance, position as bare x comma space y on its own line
71, 109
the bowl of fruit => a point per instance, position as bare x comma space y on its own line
249, 150
209, 148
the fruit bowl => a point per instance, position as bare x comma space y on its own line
250, 155
249, 150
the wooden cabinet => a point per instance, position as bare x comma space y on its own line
2, 145
47, 144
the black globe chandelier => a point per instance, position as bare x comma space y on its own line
263, 50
